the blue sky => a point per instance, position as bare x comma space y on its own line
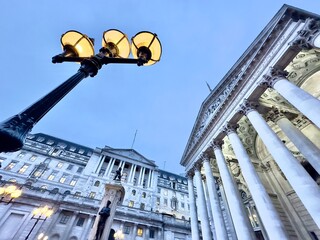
201, 41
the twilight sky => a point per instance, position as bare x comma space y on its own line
201, 40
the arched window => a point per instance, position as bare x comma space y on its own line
97, 184
144, 195
133, 192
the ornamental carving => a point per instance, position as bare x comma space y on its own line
274, 115
230, 128
306, 35
273, 76
216, 144
248, 106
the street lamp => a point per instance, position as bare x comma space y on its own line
119, 235
40, 214
42, 236
9, 193
78, 47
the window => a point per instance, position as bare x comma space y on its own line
43, 188
97, 184
139, 232
174, 203
80, 222
142, 206
151, 233
37, 173
165, 202
182, 197
23, 168
59, 165
131, 203
144, 195
182, 205
33, 158
74, 181
10, 166
64, 219
92, 195
159, 190
133, 192
77, 194
70, 167
21, 155
126, 230
56, 152
63, 178
165, 192
158, 201
52, 175
80, 169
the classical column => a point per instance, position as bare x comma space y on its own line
134, 231
87, 227
133, 173
100, 163
110, 167
240, 219
202, 205
302, 183
142, 176
303, 101
267, 211
304, 145
209, 209
149, 178
220, 229
193, 209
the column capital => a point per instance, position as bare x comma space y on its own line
197, 166
307, 35
274, 75
230, 128
275, 115
248, 106
216, 144
205, 157
190, 174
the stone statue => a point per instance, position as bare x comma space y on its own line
104, 214
118, 175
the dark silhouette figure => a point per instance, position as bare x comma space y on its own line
118, 175
104, 214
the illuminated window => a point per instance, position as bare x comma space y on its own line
43, 188
131, 203
21, 155
73, 181
10, 166
144, 195
33, 158
63, 178
92, 195
23, 168
37, 173
59, 165
77, 194
52, 175
140, 232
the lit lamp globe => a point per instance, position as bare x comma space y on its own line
147, 47
76, 44
115, 44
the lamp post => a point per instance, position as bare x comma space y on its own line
40, 214
119, 235
42, 236
78, 47
9, 193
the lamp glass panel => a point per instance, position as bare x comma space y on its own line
80, 42
17, 193
10, 189
149, 40
119, 39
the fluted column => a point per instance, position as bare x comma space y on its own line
303, 101
240, 219
267, 211
304, 145
193, 209
305, 187
220, 229
204, 218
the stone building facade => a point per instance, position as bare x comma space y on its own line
253, 153
70, 179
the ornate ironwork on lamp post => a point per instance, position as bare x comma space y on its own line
40, 214
78, 47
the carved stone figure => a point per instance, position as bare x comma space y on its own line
118, 175
104, 214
